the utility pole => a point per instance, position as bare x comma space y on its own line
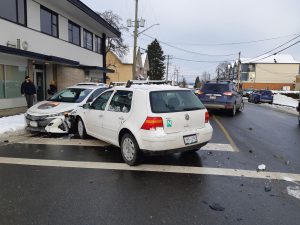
238, 71
135, 40
168, 58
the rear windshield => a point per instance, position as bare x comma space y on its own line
266, 92
174, 101
215, 87
72, 95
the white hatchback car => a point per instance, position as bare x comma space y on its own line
49, 115
146, 118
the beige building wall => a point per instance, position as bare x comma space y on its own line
123, 72
276, 73
68, 76
297, 87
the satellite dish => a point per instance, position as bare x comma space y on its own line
25, 45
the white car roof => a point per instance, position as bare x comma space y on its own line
149, 87
85, 86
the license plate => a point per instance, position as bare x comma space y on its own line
212, 97
191, 139
33, 123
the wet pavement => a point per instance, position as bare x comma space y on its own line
111, 194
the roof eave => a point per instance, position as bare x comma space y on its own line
84, 8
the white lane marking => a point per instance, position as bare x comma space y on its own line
95, 142
150, 168
294, 191
62, 141
218, 147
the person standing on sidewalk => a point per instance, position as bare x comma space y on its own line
29, 91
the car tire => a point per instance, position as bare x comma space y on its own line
233, 110
242, 106
256, 101
299, 120
271, 103
130, 150
81, 131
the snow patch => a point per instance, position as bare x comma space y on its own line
294, 191
285, 100
12, 125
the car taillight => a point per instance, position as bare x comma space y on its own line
199, 92
206, 117
152, 123
228, 93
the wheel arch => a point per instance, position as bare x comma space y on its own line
122, 132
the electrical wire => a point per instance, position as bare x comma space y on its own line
188, 51
200, 61
234, 43
275, 49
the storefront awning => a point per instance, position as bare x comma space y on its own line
37, 56
97, 68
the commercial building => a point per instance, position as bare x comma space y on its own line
61, 40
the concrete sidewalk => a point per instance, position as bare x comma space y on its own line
12, 111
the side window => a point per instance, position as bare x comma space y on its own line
101, 101
95, 94
121, 102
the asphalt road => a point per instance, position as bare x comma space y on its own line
88, 184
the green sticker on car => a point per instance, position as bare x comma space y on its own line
169, 123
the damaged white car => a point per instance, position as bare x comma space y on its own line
49, 116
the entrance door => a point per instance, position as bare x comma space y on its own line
40, 85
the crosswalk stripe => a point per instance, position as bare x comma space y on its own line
95, 142
151, 168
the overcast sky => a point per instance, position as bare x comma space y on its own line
199, 26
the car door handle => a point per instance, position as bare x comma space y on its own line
121, 118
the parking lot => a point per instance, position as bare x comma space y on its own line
64, 180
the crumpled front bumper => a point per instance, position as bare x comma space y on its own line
56, 125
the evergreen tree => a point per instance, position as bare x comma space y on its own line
197, 83
156, 61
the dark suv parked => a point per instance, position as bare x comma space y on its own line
264, 96
221, 95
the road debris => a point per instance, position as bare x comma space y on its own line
250, 151
268, 188
216, 207
261, 167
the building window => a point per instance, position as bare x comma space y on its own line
10, 83
49, 22
74, 33
1, 81
98, 45
13, 10
87, 40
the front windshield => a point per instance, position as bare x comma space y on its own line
71, 95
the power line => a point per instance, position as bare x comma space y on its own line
234, 43
278, 51
200, 61
275, 49
188, 51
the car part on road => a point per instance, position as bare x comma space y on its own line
261, 167
130, 150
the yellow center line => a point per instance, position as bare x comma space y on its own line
227, 135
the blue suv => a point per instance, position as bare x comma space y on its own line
264, 96
221, 95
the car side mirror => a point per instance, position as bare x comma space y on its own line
86, 105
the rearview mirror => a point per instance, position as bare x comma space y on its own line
86, 105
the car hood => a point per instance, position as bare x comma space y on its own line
49, 107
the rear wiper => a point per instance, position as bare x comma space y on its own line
192, 108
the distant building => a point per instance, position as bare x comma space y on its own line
277, 72
49, 40
123, 66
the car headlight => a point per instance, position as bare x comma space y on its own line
60, 114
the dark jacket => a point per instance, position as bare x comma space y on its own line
52, 90
28, 88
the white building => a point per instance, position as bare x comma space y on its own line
60, 40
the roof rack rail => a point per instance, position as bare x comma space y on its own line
158, 82
139, 82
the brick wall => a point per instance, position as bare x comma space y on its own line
68, 76
271, 86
